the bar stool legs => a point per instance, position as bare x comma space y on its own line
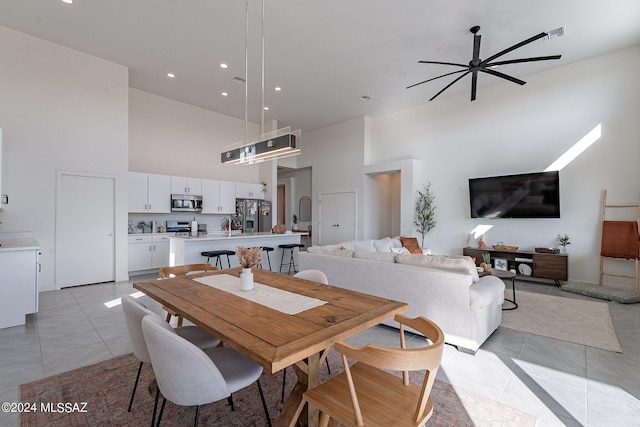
292, 262
217, 255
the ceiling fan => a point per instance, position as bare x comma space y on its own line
486, 66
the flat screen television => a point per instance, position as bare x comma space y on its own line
531, 195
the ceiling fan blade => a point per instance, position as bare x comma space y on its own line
514, 47
435, 78
474, 85
515, 61
476, 47
449, 85
443, 63
502, 75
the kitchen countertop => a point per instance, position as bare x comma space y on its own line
224, 236
20, 241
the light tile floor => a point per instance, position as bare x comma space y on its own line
559, 382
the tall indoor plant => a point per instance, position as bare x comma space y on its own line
425, 211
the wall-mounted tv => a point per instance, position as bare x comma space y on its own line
531, 195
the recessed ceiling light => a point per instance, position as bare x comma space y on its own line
223, 65
224, 94
67, 1
266, 108
171, 75
277, 88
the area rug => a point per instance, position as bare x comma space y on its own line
573, 320
105, 387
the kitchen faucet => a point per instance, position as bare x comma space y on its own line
230, 222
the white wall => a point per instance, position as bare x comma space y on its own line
173, 138
513, 129
60, 110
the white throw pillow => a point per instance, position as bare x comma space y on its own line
401, 250
364, 246
383, 245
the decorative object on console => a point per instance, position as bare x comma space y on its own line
500, 246
486, 261
411, 243
425, 212
500, 263
564, 241
248, 257
295, 221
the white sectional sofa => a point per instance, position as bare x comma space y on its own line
446, 290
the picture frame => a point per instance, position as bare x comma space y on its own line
500, 263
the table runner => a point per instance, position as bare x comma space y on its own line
277, 299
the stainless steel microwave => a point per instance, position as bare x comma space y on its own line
186, 203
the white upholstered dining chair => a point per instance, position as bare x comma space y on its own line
318, 277
189, 376
134, 312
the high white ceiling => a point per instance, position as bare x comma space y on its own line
324, 54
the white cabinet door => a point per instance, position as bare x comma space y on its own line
19, 286
140, 252
227, 197
158, 193
210, 196
249, 191
160, 253
137, 192
184, 185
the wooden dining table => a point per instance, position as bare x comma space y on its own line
270, 337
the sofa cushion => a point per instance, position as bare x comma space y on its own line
401, 250
364, 246
458, 264
335, 252
375, 256
411, 243
383, 245
396, 242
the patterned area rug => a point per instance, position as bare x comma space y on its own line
106, 388
567, 319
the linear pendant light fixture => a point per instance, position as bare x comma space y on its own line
268, 146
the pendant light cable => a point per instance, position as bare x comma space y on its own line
246, 71
262, 71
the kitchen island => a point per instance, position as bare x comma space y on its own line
186, 249
19, 285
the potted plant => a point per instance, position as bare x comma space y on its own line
248, 257
564, 241
295, 221
425, 212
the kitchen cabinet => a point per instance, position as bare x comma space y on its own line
218, 197
149, 193
147, 252
19, 285
185, 185
249, 191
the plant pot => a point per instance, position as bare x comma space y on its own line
246, 280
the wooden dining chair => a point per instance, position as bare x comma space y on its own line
367, 394
181, 270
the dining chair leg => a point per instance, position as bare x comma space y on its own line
230, 400
195, 423
135, 386
328, 367
264, 403
155, 408
284, 382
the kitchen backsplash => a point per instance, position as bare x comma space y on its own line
213, 222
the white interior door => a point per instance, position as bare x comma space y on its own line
85, 230
337, 218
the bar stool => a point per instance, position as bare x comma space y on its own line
267, 249
292, 262
217, 255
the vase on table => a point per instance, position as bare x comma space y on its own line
246, 280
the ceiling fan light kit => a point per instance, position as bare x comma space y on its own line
488, 65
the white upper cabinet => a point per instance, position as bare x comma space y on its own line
218, 197
184, 185
149, 193
249, 191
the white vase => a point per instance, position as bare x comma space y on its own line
246, 280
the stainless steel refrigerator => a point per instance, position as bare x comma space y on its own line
253, 215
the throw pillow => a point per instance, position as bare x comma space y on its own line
401, 250
375, 256
411, 243
364, 245
383, 245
